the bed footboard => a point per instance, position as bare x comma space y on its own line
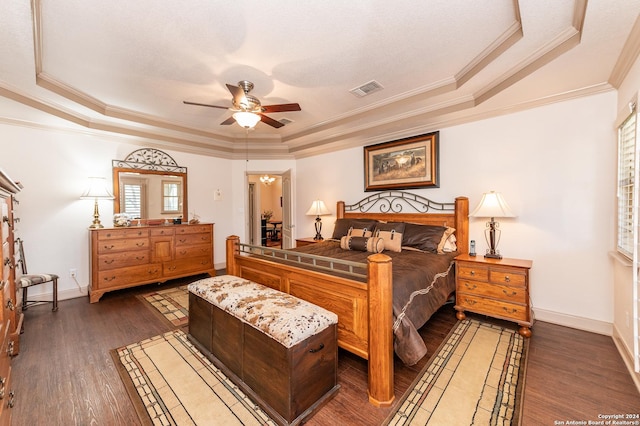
365, 312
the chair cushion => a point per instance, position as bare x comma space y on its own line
34, 279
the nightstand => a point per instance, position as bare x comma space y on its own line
495, 287
306, 241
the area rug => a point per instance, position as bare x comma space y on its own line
171, 303
475, 378
171, 383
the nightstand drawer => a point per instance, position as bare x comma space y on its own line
494, 308
511, 277
495, 291
473, 272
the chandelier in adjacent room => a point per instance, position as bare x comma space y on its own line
267, 180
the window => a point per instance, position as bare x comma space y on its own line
171, 195
627, 184
133, 195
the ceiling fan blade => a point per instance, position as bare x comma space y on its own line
237, 93
270, 121
228, 121
281, 108
205, 105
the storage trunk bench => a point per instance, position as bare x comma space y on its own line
280, 350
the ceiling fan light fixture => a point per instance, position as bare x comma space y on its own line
246, 119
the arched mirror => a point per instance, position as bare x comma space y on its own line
149, 186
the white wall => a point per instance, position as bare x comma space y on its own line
555, 165
53, 166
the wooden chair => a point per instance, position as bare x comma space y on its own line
27, 280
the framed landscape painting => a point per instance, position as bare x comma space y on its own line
402, 164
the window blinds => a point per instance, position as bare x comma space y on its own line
627, 166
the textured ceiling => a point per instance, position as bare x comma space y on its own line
125, 67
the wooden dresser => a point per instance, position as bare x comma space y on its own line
10, 318
136, 255
495, 287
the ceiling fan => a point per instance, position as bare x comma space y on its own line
243, 102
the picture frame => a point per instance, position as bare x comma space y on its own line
403, 164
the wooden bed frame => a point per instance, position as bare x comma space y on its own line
365, 313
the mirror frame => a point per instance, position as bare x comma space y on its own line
154, 162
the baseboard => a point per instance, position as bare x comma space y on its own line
627, 356
71, 293
572, 321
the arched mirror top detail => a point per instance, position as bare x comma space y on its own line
150, 187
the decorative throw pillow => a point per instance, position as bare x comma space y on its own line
343, 226
425, 237
391, 233
370, 244
448, 242
360, 232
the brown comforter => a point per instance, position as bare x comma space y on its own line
422, 283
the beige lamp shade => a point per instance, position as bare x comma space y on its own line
492, 204
97, 188
318, 208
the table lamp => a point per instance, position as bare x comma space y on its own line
492, 205
318, 209
97, 190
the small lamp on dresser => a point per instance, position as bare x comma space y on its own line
97, 190
492, 205
318, 209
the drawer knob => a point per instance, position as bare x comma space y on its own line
10, 305
12, 397
472, 273
140, 244
470, 287
470, 302
510, 311
506, 278
108, 247
10, 348
506, 293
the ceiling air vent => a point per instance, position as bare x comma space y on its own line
285, 121
367, 89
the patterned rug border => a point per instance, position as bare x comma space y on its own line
184, 310
258, 416
519, 395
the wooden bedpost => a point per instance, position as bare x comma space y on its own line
380, 330
462, 224
233, 248
340, 209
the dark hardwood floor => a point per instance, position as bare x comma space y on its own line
64, 374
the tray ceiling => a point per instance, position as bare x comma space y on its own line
126, 67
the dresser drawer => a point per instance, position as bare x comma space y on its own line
495, 291
122, 259
515, 277
189, 239
185, 266
162, 231
472, 271
193, 229
494, 308
119, 233
128, 244
194, 251
124, 276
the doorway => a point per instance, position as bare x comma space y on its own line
265, 212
